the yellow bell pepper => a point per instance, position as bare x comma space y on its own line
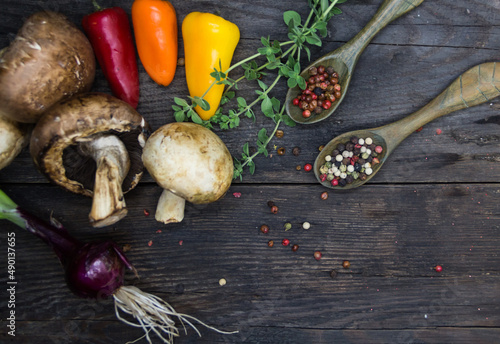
208, 39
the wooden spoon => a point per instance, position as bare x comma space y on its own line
345, 58
476, 86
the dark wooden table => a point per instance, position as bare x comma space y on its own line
435, 202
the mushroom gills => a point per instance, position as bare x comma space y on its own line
170, 208
113, 164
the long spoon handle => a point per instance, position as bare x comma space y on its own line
476, 86
387, 12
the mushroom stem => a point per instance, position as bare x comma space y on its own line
113, 163
170, 208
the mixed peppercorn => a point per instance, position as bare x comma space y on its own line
322, 89
350, 161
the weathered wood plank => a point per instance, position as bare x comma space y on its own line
392, 243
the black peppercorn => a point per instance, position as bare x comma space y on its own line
349, 146
357, 167
296, 151
349, 179
270, 204
333, 274
318, 91
342, 182
330, 70
341, 147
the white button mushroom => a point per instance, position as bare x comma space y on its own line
189, 162
13, 138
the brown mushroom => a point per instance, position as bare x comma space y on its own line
92, 144
50, 59
191, 163
13, 138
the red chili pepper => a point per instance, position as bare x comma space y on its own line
109, 33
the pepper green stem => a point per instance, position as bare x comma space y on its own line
96, 5
8, 210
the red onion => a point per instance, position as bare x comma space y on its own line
96, 270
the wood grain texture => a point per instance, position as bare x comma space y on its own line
436, 201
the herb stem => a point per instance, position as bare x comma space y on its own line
250, 158
266, 92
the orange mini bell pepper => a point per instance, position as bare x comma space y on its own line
155, 29
208, 39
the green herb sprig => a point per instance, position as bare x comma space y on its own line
283, 58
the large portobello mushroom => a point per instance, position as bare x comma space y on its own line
49, 60
191, 163
92, 144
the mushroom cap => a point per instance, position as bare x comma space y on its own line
14, 137
190, 161
54, 140
50, 59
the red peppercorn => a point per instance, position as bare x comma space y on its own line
264, 229
321, 69
307, 167
314, 96
324, 195
146, 213
306, 114
317, 255
438, 268
270, 243
346, 264
285, 242
322, 177
295, 247
327, 104
335, 182
296, 101
274, 209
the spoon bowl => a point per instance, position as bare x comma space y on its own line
344, 59
476, 86
346, 137
344, 73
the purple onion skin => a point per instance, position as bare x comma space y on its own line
96, 270
93, 270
